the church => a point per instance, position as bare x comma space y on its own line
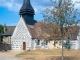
30, 34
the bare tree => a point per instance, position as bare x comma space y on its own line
61, 14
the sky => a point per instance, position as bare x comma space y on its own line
9, 10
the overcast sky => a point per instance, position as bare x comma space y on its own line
9, 10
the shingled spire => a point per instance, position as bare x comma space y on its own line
27, 12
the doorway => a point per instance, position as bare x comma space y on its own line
24, 46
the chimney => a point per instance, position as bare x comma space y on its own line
5, 28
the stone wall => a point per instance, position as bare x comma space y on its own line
20, 35
5, 47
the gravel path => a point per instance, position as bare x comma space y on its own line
10, 55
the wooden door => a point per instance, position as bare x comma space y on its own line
24, 46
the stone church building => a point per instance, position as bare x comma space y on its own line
30, 34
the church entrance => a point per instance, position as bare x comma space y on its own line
24, 46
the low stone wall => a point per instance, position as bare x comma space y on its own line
5, 46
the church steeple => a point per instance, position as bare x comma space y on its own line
27, 12
26, 8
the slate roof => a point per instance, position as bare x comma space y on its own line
39, 30
75, 30
74, 36
26, 8
9, 30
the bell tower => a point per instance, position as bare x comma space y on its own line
27, 12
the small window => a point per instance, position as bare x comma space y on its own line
38, 42
46, 42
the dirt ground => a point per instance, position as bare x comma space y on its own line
10, 55
50, 55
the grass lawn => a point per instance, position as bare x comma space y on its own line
49, 55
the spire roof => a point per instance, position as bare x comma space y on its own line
26, 8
